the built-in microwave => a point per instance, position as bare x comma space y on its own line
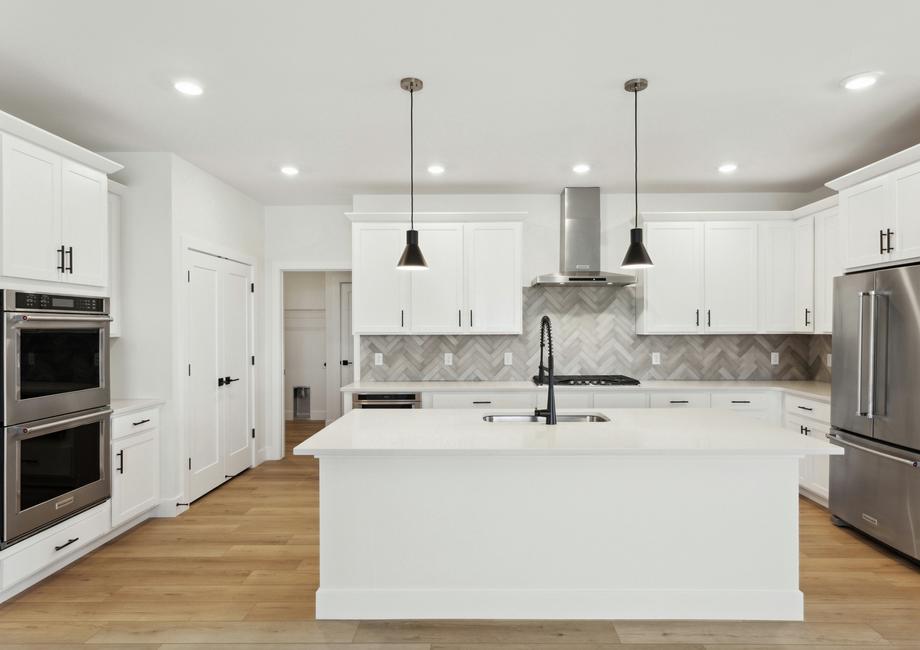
55, 355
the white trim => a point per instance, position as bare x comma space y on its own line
726, 215
878, 168
117, 188
274, 335
560, 604
817, 206
429, 217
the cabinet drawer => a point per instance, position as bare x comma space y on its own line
483, 400
613, 400
125, 425
680, 400
34, 554
569, 399
741, 401
808, 408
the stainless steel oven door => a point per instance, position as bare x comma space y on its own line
54, 364
54, 468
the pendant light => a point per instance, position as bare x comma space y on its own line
412, 258
636, 255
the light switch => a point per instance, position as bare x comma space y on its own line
378, 358
656, 358
774, 358
828, 360
448, 358
508, 358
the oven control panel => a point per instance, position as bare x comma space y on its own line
52, 302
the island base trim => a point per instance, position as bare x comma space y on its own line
559, 604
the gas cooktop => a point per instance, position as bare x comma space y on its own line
591, 380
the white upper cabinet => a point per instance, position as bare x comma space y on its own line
53, 213
85, 236
31, 211
828, 265
493, 293
671, 293
865, 212
804, 287
776, 245
380, 297
905, 226
437, 294
731, 277
472, 285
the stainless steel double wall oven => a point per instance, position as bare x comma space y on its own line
55, 410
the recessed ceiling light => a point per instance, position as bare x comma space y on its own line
728, 168
436, 169
188, 87
581, 168
861, 81
290, 170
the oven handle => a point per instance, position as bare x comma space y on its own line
28, 432
62, 318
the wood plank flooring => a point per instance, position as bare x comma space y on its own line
239, 569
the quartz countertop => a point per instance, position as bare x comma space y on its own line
130, 405
699, 432
812, 389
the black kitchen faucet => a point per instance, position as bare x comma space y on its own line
546, 338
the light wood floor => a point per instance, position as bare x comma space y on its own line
239, 570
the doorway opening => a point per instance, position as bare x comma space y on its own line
317, 349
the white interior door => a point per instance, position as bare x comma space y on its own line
235, 364
346, 338
202, 400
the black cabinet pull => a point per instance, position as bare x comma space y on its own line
70, 259
121, 461
220, 382
471, 318
889, 247
459, 318
144, 421
805, 408
807, 311
708, 318
881, 242
741, 401
482, 402
807, 431
697, 317
345, 362
61, 267
802, 429
66, 544
680, 401
402, 317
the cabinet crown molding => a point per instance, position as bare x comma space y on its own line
891, 163
435, 217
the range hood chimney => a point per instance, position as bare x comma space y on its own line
580, 243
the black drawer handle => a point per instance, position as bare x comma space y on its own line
741, 401
68, 543
806, 408
145, 421
680, 401
121, 461
482, 402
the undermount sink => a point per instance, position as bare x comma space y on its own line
562, 417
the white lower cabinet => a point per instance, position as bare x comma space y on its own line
135, 475
671, 399
630, 400
810, 418
465, 400
570, 399
762, 405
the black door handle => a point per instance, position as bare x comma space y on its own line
227, 380
60, 251
345, 362
220, 382
66, 544
70, 259
121, 461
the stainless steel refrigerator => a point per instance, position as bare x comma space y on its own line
875, 405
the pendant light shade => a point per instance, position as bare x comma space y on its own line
412, 258
636, 255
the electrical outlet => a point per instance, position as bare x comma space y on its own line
828, 360
774, 358
378, 358
508, 358
656, 358
448, 358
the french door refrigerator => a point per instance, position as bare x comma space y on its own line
875, 405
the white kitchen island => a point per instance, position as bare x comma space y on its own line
659, 513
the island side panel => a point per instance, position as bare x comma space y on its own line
545, 536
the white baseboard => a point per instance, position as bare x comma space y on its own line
169, 507
582, 604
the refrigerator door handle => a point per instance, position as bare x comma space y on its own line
847, 443
873, 333
859, 360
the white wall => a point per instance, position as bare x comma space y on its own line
305, 340
319, 234
304, 290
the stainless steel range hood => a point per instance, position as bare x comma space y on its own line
580, 243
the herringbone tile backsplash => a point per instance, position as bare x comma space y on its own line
594, 332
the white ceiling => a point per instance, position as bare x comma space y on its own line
515, 91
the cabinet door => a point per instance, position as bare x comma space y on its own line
135, 475
775, 242
85, 229
804, 274
905, 236
437, 294
731, 277
31, 211
380, 291
114, 213
819, 474
798, 425
672, 291
492, 267
865, 213
828, 265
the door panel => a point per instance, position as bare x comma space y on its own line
674, 287
235, 363
905, 238
85, 233
897, 352
776, 242
865, 209
805, 274
731, 277
493, 278
202, 407
346, 339
437, 294
381, 298
851, 355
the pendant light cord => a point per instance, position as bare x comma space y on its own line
636, 149
412, 159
